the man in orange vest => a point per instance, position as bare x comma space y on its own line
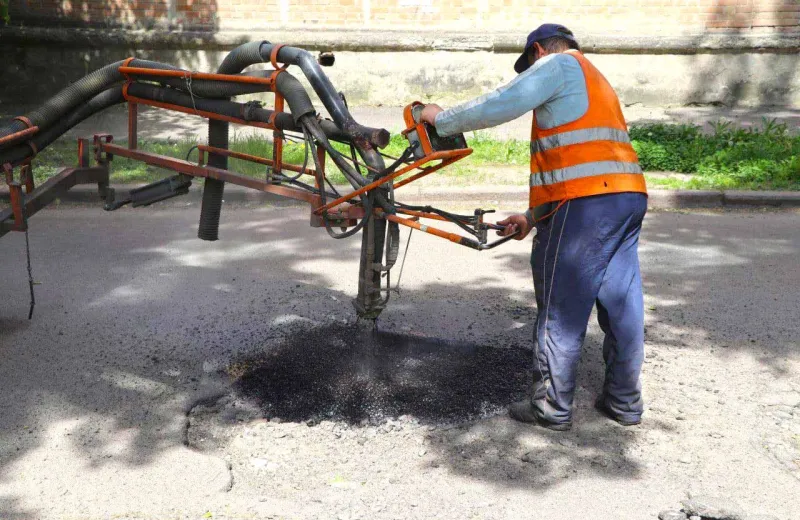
587, 201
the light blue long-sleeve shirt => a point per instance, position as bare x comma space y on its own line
555, 87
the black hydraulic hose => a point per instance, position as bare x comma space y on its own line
199, 87
295, 94
365, 199
356, 180
257, 52
302, 171
62, 103
400, 160
379, 194
287, 85
364, 138
105, 99
462, 221
283, 120
350, 174
86, 88
377, 137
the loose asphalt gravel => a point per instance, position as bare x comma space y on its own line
355, 373
164, 377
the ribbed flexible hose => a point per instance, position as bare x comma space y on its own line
57, 107
62, 103
19, 153
213, 189
259, 52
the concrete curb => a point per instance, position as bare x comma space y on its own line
677, 199
762, 198
659, 199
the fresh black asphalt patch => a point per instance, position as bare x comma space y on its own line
353, 374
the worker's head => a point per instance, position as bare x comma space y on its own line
549, 38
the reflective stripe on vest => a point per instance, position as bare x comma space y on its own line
592, 155
583, 170
577, 137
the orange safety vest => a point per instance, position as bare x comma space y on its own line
590, 156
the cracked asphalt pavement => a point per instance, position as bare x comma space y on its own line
148, 383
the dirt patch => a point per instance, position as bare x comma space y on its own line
354, 374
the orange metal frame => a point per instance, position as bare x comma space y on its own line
343, 215
412, 125
19, 136
452, 237
192, 111
195, 170
125, 70
203, 148
446, 157
332, 210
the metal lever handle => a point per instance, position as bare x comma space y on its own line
496, 243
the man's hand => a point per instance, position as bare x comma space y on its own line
515, 223
429, 113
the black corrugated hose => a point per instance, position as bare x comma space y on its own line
19, 153
62, 103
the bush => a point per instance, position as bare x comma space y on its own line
730, 157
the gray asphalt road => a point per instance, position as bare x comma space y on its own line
135, 317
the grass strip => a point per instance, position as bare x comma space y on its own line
728, 157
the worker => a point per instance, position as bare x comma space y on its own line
587, 201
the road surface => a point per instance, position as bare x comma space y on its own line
110, 401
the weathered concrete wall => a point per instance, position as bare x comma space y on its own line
729, 70
664, 52
662, 17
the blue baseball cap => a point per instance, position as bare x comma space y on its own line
543, 32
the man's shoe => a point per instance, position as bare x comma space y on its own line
523, 411
601, 406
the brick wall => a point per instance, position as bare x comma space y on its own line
640, 17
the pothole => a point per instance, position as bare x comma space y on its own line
357, 375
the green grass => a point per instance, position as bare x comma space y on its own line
64, 153
729, 157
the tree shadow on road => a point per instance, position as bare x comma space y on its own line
125, 343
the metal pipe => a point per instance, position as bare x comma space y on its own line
269, 82
195, 170
257, 52
256, 159
18, 136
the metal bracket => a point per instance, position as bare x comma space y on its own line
101, 156
480, 227
26, 177
17, 199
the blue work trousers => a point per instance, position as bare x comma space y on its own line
586, 254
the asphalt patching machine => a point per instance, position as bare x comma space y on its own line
371, 208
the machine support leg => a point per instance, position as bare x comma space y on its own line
133, 126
